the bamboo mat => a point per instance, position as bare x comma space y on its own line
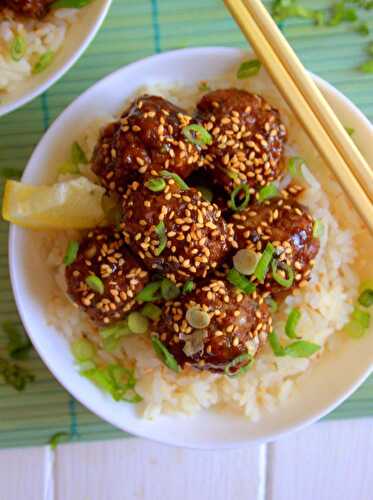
135, 29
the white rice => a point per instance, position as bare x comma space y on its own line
326, 304
41, 36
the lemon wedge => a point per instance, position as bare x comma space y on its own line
72, 204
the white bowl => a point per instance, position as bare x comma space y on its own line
329, 382
78, 37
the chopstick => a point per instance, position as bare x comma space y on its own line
307, 103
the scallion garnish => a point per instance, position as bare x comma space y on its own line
43, 62
156, 184
240, 198
245, 261
362, 317
267, 192
58, 438
203, 87
188, 286
116, 331
137, 323
164, 355
169, 290
197, 134
150, 292
71, 253
95, 283
274, 342
297, 349
366, 298
349, 130
207, 194
237, 361
318, 228
151, 311
294, 166
18, 48
278, 276
78, 155
68, 167
272, 304
70, 4
292, 322
171, 175
248, 69
160, 230
264, 261
82, 350
197, 318
282, 9
19, 344
240, 281
341, 13
15, 375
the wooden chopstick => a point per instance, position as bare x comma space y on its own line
307, 103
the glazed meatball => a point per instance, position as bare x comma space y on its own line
289, 227
238, 325
247, 138
104, 255
175, 231
28, 8
149, 134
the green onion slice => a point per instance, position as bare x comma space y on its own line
179, 181
248, 69
274, 342
160, 230
70, 4
245, 261
137, 323
240, 281
361, 317
349, 130
294, 166
43, 62
18, 48
292, 322
78, 155
206, 193
169, 290
164, 355
68, 167
82, 350
71, 253
95, 284
278, 277
58, 438
197, 134
366, 297
116, 331
264, 261
188, 286
197, 318
267, 192
236, 361
151, 311
150, 292
240, 198
318, 228
301, 349
156, 184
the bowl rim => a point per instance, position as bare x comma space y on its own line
99, 409
60, 70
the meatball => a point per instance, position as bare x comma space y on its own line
289, 227
248, 138
237, 325
175, 231
29, 8
104, 255
149, 134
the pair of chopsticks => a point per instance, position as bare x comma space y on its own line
307, 103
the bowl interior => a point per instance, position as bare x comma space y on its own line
327, 384
77, 39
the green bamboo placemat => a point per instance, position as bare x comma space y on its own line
135, 29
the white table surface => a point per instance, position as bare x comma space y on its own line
327, 461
